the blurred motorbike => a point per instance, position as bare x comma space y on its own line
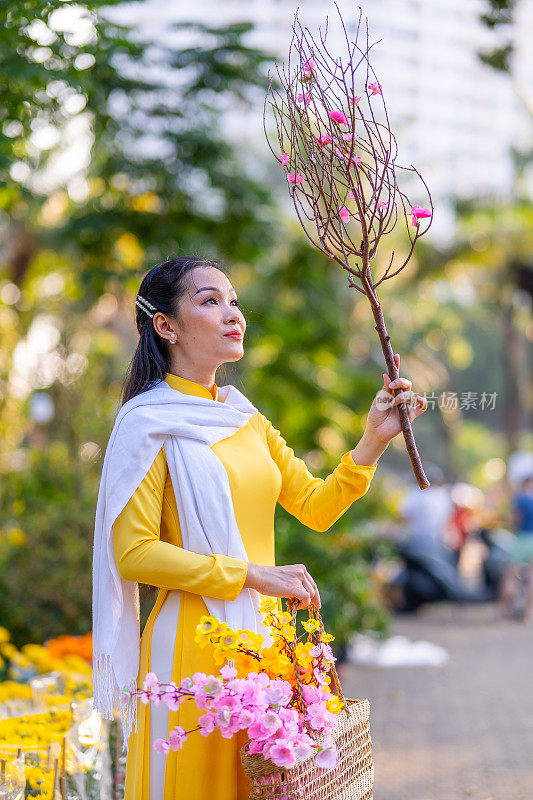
428, 574
497, 541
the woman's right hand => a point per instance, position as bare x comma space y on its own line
287, 581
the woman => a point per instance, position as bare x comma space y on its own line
197, 521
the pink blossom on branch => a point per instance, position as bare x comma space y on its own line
327, 180
206, 724
344, 214
294, 177
327, 755
339, 117
308, 68
282, 753
284, 159
351, 164
177, 737
228, 672
149, 689
323, 140
161, 746
257, 704
417, 213
305, 98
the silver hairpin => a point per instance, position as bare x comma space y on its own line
144, 305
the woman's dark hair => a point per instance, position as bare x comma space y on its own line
162, 287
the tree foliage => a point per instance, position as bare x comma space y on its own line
76, 250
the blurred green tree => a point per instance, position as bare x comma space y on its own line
148, 173
77, 247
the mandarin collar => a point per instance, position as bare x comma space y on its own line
191, 387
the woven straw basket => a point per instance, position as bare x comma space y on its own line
353, 775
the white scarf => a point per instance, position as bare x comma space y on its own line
188, 426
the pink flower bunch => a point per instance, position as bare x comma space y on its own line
339, 117
284, 159
304, 97
149, 690
351, 164
294, 177
308, 69
417, 213
258, 704
374, 88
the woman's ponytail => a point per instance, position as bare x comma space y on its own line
160, 290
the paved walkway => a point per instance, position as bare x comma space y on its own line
462, 731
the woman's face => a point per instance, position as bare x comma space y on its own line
208, 312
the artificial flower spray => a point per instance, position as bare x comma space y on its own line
257, 690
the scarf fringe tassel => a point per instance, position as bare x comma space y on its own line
108, 696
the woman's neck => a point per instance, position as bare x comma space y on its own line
203, 378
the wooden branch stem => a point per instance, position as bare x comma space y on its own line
393, 373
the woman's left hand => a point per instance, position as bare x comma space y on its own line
383, 421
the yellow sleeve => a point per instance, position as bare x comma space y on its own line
142, 556
316, 502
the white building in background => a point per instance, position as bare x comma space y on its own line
454, 118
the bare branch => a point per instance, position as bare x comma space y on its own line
334, 141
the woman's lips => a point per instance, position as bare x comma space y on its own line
234, 335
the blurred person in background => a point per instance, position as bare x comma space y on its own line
464, 521
517, 586
428, 513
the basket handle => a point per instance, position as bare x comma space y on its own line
313, 613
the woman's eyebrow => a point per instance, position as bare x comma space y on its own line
212, 289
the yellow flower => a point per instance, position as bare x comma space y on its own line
311, 625
250, 640
268, 605
326, 637
334, 704
274, 662
229, 640
209, 629
200, 638
207, 624
244, 664
77, 664
302, 654
8, 650
4, 635
288, 632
